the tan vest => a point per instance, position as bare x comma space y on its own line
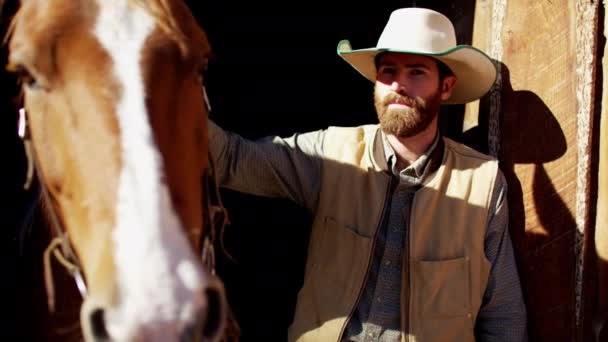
445, 268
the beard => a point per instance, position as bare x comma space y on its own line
409, 121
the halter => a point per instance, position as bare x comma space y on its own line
217, 215
60, 246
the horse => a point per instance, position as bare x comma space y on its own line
114, 121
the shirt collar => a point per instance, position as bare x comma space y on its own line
417, 169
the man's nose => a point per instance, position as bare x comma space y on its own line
399, 86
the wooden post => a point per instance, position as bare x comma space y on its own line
600, 320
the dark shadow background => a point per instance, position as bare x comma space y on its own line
275, 71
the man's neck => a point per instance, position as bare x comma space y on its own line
409, 149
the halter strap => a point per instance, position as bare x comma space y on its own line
215, 220
217, 215
65, 255
24, 134
60, 246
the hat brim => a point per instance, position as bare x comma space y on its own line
475, 71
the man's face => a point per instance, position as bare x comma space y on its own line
408, 93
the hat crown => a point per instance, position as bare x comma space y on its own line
418, 29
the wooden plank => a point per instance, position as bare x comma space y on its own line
538, 156
542, 103
600, 314
483, 35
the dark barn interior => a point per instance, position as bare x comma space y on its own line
275, 71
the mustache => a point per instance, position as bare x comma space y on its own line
414, 102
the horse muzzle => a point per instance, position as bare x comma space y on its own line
201, 320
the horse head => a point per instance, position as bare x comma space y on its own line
117, 119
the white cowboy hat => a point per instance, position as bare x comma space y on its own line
423, 31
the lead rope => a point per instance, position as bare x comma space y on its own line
213, 211
59, 247
53, 249
217, 218
207, 248
232, 330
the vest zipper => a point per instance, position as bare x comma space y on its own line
370, 259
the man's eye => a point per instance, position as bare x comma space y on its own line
388, 71
417, 72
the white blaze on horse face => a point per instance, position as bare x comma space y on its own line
158, 276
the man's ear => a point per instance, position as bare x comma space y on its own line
447, 86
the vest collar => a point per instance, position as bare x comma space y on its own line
376, 158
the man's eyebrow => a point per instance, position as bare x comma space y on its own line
410, 65
417, 65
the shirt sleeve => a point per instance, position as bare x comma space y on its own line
272, 166
502, 316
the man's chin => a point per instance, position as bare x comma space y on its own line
402, 132
398, 132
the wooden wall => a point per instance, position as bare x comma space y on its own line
540, 119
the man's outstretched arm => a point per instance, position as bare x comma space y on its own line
273, 166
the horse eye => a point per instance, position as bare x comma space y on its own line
202, 72
25, 77
203, 69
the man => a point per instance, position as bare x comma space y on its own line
409, 238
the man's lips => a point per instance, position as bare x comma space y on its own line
400, 103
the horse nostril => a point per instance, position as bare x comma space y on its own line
98, 326
209, 320
215, 313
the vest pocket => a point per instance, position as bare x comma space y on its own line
341, 257
442, 288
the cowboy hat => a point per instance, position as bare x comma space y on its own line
425, 32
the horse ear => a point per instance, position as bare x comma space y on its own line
2, 5
192, 29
